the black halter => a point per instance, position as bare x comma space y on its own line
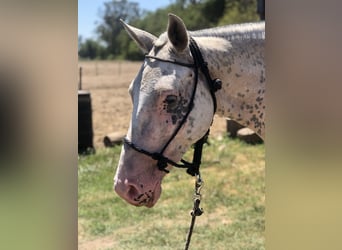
214, 85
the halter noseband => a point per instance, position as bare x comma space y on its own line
214, 85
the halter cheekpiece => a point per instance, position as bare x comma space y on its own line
214, 85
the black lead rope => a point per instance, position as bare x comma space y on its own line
196, 211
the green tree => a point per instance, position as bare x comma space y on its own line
110, 28
90, 49
197, 14
191, 13
239, 11
80, 41
213, 10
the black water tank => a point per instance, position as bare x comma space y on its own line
85, 127
261, 9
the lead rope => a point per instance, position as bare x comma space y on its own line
193, 170
196, 211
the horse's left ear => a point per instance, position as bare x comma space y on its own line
143, 39
177, 33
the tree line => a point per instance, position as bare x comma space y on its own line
114, 43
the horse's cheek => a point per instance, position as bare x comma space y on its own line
165, 122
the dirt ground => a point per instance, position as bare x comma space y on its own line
108, 83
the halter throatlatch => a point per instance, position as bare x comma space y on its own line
214, 85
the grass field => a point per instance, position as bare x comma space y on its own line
233, 199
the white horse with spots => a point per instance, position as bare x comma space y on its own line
170, 114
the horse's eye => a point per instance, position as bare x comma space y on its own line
171, 101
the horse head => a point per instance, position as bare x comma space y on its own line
172, 109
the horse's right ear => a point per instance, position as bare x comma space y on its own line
143, 39
177, 33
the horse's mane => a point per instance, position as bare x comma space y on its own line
234, 32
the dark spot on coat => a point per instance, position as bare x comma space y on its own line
241, 95
174, 119
176, 106
259, 99
138, 197
262, 77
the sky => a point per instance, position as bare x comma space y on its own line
88, 13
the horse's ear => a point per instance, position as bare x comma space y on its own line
143, 39
177, 33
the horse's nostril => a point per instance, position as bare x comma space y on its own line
124, 188
132, 193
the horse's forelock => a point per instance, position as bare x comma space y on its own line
161, 41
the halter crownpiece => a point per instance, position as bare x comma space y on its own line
214, 85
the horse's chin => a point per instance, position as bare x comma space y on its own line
154, 199
155, 196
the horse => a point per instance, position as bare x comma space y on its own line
173, 104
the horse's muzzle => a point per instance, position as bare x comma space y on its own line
135, 194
